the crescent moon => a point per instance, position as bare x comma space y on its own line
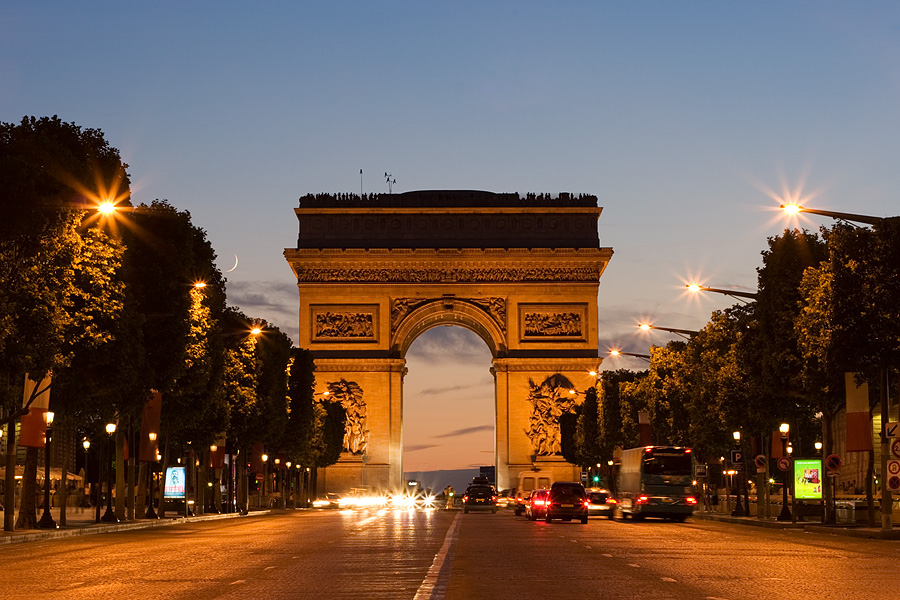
235, 264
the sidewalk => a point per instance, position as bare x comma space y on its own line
80, 521
771, 523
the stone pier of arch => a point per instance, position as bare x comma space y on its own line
375, 272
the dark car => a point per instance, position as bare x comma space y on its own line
567, 500
536, 508
601, 502
480, 497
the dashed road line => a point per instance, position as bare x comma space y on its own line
434, 586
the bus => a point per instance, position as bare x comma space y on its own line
655, 481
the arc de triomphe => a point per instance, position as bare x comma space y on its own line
374, 272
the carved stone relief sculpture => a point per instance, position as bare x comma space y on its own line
345, 325
356, 431
553, 324
549, 399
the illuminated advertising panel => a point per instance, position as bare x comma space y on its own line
174, 485
808, 479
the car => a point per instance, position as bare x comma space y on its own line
601, 503
329, 500
480, 497
567, 500
537, 505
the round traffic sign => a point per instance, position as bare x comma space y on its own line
893, 482
833, 462
760, 460
784, 463
893, 467
895, 447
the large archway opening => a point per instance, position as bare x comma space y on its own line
448, 408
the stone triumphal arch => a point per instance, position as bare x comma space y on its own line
374, 272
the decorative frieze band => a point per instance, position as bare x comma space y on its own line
349, 323
459, 275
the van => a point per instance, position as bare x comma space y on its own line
528, 482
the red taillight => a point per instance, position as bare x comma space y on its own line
587, 503
642, 499
691, 500
493, 498
465, 498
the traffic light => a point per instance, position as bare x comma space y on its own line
596, 478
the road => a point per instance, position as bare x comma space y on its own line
367, 554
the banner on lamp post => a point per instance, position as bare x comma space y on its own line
148, 448
34, 424
859, 420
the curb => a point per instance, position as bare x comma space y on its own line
857, 532
33, 536
750, 521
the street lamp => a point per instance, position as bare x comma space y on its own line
109, 516
685, 333
151, 514
742, 296
264, 483
47, 521
738, 507
634, 354
785, 514
819, 447
793, 209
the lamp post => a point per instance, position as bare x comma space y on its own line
262, 485
738, 507
785, 514
47, 521
86, 444
150, 514
109, 516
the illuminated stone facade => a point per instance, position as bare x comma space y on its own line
375, 272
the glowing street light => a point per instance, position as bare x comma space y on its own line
685, 333
151, 514
634, 354
794, 209
696, 288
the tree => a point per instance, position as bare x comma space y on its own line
50, 173
587, 433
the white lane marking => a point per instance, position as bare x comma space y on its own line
715, 598
607, 555
429, 589
588, 547
634, 565
267, 568
669, 579
237, 582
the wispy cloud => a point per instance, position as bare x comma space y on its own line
450, 345
453, 388
415, 448
466, 431
276, 302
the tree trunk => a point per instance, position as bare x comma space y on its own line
827, 448
870, 497
201, 494
241, 482
28, 502
121, 493
129, 474
140, 503
9, 493
217, 490
62, 439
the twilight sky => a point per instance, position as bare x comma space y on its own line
689, 120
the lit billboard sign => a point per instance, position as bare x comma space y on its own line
174, 485
808, 479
